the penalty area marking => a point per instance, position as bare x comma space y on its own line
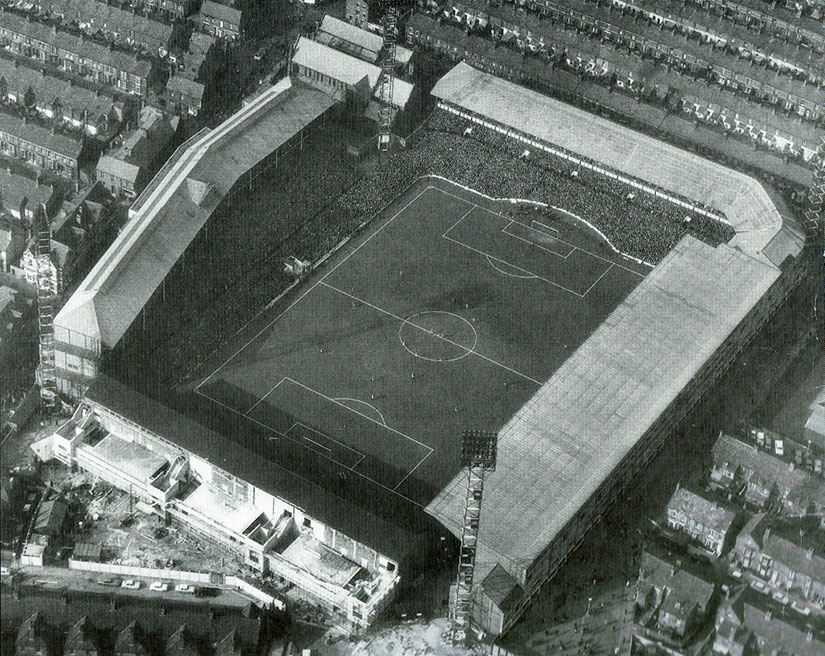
342, 399
526, 276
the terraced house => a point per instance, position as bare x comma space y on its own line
73, 54
782, 557
220, 20
77, 107
38, 146
119, 25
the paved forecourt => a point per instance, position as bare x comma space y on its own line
449, 312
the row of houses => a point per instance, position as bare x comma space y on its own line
119, 25
693, 33
74, 55
783, 544
692, 56
62, 622
220, 20
38, 146
79, 108
764, 481
678, 597
610, 65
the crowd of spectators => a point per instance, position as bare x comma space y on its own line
316, 198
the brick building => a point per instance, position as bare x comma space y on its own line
703, 520
20, 196
781, 556
220, 21
40, 147
55, 99
74, 55
763, 479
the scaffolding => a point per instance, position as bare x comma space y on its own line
478, 456
390, 24
46, 378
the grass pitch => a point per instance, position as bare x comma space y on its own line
448, 313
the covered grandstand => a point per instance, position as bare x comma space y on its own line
609, 407
201, 176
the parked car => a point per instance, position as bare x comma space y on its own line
799, 608
131, 584
736, 573
185, 587
780, 597
110, 582
759, 586
202, 591
159, 586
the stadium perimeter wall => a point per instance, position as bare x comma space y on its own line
769, 257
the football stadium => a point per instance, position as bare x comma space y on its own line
521, 266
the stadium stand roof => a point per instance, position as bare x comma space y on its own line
401, 93
757, 218
178, 203
337, 65
364, 44
256, 467
361, 43
560, 446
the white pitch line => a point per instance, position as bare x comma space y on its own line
532, 243
583, 250
346, 407
411, 471
433, 334
318, 282
510, 264
325, 448
272, 389
308, 482
329, 437
463, 216
598, 279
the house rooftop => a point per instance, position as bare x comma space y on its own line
14, 189
697, 507
801, 485
221, 12
40, 136
118, 168
185, 87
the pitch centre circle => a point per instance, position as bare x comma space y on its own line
438, 336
